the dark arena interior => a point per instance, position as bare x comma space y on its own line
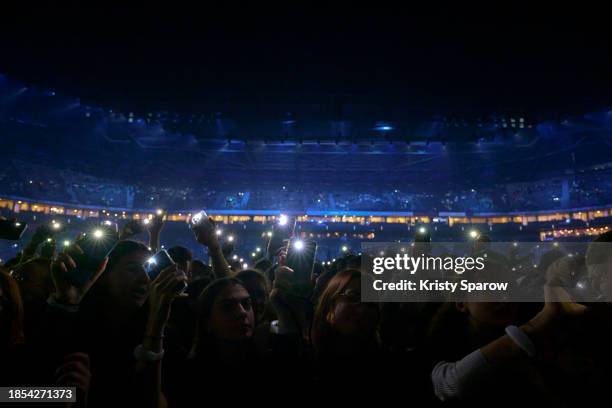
189, 202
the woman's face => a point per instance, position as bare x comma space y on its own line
232, 316
259, 295
127, 282
350, 316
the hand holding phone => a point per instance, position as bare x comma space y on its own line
301, 255
282, 230
68, 289
204, 229
156, 223
167, 286
157, 263
88, 252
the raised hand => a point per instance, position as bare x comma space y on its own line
205, 233
66, 291
168, 285
154, 227
291, 309
157, 223
559, 304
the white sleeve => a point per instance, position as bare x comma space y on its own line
454, 380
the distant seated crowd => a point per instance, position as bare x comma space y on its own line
61, 185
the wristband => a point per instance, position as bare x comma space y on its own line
146, 355
521, 339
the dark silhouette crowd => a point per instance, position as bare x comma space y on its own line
202, 333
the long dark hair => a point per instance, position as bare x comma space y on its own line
96, 300
14, 312
321, 333
203, 341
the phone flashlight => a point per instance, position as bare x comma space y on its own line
197, 218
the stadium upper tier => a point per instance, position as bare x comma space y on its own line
55, 148
45, 183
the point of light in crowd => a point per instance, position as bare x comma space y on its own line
159, 211
299, 245
66, 243
230, 238
49, 240
269, 233
253, 254
244, 266
218, 232
515, 244
98, 233
146, 221
473, 234
422, 230
152, 260
241, 260
258, 249
282, 220
18, 224
383, 127
107, 223
235, 257
344, 248
556, 244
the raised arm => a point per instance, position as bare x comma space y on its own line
205, 235
148, 372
